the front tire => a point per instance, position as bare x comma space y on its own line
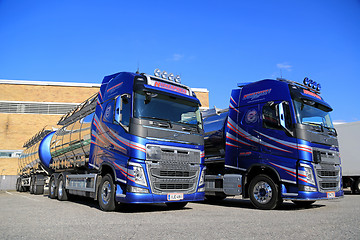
106, 194
264, 192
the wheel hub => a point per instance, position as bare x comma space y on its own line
106, 192
262, 192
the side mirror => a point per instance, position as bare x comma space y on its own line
117, 115
284, 117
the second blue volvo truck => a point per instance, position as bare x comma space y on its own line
275, 142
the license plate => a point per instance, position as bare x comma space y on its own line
175, 196
330, 194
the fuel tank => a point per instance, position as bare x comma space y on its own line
214, 121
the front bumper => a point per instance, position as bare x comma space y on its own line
156, 198
314, 196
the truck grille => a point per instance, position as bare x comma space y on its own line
328, 177
175, 170
328, 185
324, 173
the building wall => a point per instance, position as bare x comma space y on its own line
17, 128
33, 93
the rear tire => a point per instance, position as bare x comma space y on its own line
264, 192
52, 188
303, 204
176, 205
106, 194
62, 192
18, 181
32, 181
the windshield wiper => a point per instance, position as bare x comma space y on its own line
161, 119
331, 131
318, 127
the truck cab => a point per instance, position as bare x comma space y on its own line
278, 141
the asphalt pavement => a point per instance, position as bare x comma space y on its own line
25, 216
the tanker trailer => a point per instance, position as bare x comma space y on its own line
34, 163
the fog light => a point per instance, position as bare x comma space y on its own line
201, 189
307, 188
137, 189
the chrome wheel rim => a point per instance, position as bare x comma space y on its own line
106, 192
263, 192
52, 187
60, 188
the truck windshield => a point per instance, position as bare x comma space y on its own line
167, 108
312, 113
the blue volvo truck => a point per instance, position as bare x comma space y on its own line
275, 142
139, 140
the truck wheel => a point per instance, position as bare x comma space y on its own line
357, 186
38, 189
264, 193
176, 205
52, 188
62, 193
18, 184
303, 204
106, 194
31, 190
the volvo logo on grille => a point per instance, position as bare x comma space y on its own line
176, 135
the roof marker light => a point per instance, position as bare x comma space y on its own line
171, 77
178, 79
306, 81
312, 84
164, 74
157, 72
318, 87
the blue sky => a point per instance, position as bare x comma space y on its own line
212, 44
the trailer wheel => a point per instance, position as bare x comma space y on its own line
176, 205
18, 180
303, 204
62, 193
264, 193
38, 189
31, 190
52, 188
106, 194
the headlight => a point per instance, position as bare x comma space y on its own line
308, 172
139, 175
202, 177
153, 153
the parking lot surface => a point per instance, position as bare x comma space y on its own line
25, 216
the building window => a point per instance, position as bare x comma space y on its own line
35, 107
10, 153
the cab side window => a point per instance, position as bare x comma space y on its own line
122, 110
270, 116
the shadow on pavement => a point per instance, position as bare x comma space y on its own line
246, 204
